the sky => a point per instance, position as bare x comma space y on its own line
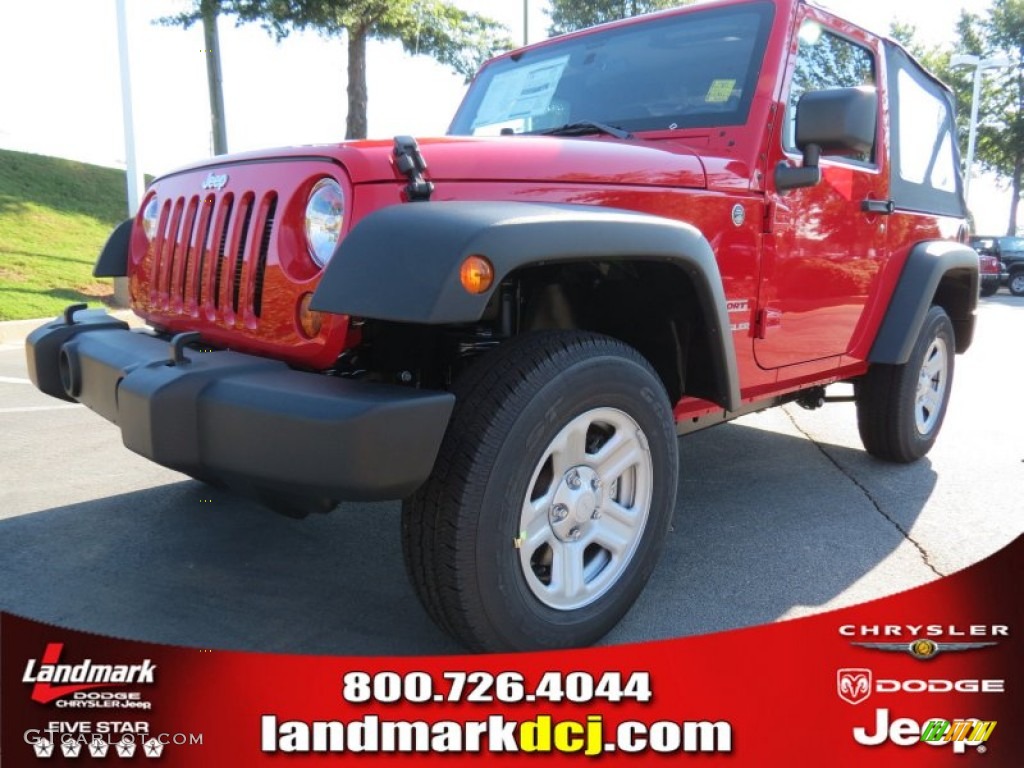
60, 92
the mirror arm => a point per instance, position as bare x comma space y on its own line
807, 175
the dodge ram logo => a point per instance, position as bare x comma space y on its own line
853, 685
215, 181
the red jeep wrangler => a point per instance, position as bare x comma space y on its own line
630, 233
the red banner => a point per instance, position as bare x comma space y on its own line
930, 677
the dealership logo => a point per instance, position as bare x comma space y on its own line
215, 181
970, 731
934, 732
853, 685
75, 678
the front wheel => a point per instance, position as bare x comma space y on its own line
900, 408
1017, 283
551, 496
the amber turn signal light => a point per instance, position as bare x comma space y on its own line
310, 321
476, 274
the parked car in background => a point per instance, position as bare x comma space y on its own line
1010, 253
990, 271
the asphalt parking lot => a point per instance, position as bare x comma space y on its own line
780, 514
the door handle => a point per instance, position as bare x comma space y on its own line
884, 207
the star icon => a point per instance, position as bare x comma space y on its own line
71, 748
125, 748
43, 748
98, 747
154, 748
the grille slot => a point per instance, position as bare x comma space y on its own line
261, 264
222, 245
170, 252
189, 231
243, 238
203, 246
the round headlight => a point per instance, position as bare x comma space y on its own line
325, 213
151, 217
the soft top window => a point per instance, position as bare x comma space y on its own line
925, 158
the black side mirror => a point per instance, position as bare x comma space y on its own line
835, 120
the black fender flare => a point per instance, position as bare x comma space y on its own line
926, 266
401, 263
113, 260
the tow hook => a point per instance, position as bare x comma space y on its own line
178, 343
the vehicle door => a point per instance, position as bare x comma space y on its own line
825, 244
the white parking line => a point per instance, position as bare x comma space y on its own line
33, 408
13, 380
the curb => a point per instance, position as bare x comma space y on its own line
14, 332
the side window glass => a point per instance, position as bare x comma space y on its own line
825, 60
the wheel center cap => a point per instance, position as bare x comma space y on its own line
576, 504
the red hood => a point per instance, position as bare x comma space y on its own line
512, 159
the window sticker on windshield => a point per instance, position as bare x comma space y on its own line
720, 91
521, 93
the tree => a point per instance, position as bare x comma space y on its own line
570, 15
207, 12
436, 28
1000, 143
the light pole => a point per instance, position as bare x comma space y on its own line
980, 65
135, 179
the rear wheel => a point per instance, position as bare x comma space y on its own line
900, 408
1017, 283
550, 498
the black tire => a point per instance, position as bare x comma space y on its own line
477, 574
1016, 283
989, 289
900, 408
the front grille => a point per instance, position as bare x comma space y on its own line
207, 258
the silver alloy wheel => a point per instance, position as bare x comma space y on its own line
585, 510
931, 386
1017, 283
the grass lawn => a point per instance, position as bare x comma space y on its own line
55, 216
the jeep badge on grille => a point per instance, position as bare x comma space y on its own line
215, 181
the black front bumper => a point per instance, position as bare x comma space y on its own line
250, 422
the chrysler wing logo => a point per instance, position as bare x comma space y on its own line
215, 181
853, 685
923, 648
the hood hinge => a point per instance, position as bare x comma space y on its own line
409, 160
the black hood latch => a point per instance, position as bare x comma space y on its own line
409, 160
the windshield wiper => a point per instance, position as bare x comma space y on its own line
584, 127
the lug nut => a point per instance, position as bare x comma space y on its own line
595, 483
596, 514
573, 480
559, 512
575, 533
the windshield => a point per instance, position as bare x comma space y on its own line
691, 70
